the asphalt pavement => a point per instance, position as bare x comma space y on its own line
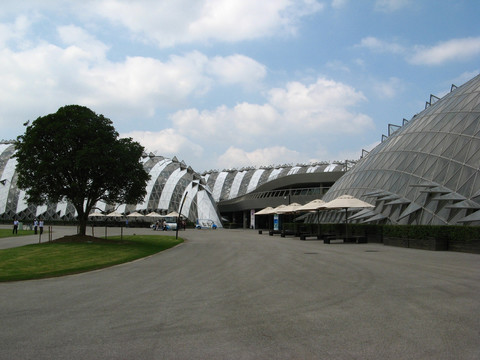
236, 294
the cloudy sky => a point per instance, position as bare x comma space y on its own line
232, 83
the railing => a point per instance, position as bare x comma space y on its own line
317, 191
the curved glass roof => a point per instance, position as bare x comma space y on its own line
426, 171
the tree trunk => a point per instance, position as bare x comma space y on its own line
82, 217
82, 222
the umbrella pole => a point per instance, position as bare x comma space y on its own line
346, 224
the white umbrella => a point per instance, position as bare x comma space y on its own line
313, 205
153, 214
277, 209
135, 214
96, 214
265, 211
173, 214
114, 214
289, 208
347, 202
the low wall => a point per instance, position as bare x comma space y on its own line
435, 244
468, 246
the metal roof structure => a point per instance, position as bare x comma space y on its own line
171, 181
426, 171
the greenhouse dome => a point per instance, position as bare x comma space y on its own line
172, 182
425, 171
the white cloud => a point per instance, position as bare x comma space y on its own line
15, 31
338, 4
336, 65
296, 109
236, 157
391, 5
230, 125
82, 45
290, 114
172, 22
322, 106
237, 69
47, 76
166, 142
388, 89
378, 45
448, 51
451, 50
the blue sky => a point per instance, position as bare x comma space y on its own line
233, 83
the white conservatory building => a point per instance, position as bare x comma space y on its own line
171, 183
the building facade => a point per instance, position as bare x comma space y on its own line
172, 182
426, 171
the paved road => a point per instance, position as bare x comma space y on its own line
235, 294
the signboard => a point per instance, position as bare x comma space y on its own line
276, 222
252, 219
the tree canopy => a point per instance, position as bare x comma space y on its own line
77, 155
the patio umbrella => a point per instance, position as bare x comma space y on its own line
135, 214
173, 214
288, 208
153, 214
277, 209
114, 214
96, 214
347, 202
265, 211
313, 205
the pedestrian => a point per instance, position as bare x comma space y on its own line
15, 226
35, 226
40, 225
164, 225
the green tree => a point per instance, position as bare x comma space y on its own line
77, 155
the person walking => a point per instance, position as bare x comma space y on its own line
15, 226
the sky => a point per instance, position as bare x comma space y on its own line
224, 84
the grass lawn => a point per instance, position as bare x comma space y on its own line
45, 260
8, 233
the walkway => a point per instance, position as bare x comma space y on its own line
235, 294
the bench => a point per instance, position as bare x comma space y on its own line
287, 232
350, 239
358, 239
304, 236
328, 238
